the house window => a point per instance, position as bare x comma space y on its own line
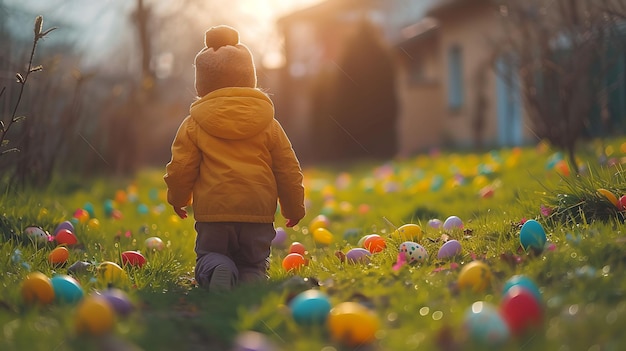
455, 78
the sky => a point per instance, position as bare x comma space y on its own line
94, 25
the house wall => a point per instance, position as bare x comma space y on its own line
422, 112
472, 27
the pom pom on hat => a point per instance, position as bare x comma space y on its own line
223, 62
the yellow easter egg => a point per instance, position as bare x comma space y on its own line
94, 316
37, 288
475, 275
93, 223
322, 236
609, 196
352, 324
408, 232
320, 221
111, 273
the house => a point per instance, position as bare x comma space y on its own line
455, 89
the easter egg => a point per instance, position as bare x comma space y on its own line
59, 255
358, 255
79, 267
322, 236
352, 324
81, 215
253, 341
279, 238
64, 225
310, 307
452, 223
361, 241
66, 289
133, 258
520, 309
475, 275
622, 203
118, 300
320, 221
408, 232
36, 234
65, 237
154, 243
413, 252
93, 223
37, 288
108, 207
94, 316
111, 273
375, 243
525, 282
293, 261
351, 234
435, 223
297, 247
485, 325
609, 196
532, 235
449, 249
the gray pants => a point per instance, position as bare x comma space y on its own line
242, 247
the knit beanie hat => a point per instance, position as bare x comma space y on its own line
223, 62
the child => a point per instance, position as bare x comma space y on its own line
232, 161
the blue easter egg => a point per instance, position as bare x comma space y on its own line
310, 307
485, 325
108, 207
89, 208
525, 282
66, 289
532, 235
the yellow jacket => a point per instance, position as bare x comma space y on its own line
234, 160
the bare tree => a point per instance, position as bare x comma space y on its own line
562, 52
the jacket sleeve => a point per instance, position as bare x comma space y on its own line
182, 171
288, 174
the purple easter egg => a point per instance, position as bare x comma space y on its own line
358, 255
64, 225
253, 341
280, 238
449, 249
118, 300
452, 222
435, 223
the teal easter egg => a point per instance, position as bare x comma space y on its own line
532, 235
66, 289
524, 282
310, 307
485, 325
108, 207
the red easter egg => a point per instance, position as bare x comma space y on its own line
374, 243
298, 248
293, 261
520, 310
622, 203
65, 236
133, 258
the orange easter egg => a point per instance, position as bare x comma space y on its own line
59, 255
293, 261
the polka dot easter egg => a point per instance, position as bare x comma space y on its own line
413, 252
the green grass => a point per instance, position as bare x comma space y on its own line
420, 307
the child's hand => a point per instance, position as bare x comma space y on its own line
292, 222
180, 211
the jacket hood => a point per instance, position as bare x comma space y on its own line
233, 113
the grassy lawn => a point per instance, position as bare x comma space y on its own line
579, 272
